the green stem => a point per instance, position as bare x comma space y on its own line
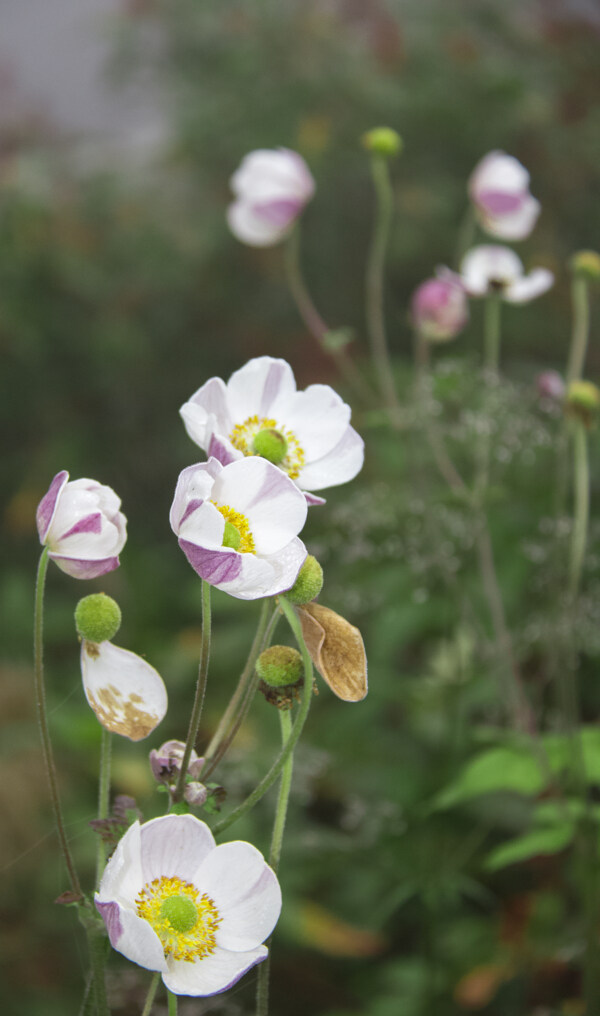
580, 330
267, 781
200, 690
40, 697
445, 466
97, 949
581, 507
103, 797
285, 720
172, 1000
151, 993
245, 678
491, 332
313, 320
374, 285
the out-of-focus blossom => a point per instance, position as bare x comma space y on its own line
271, 188
491, 268
499, 190
439, 307
165, 762
260, 412
174, 902
80, 523
238, 524
127, 695
550, 385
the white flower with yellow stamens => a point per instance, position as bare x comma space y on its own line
259, 412
174, 902
238, 524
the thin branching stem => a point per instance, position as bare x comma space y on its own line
200, 691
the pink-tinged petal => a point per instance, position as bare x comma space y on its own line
518, 224
88, 524
222, 449
205, 411
313, 501
80, 568
270, 173
489, 263
268, 576
127, 695
194, 483
122, 878
529, 286
218, 567
174, 845
498, 171
280, 212
47, 506
275, 508
250, 228
245, 891
133, 937
212, 974
258, 386
343, 463
499, 202
202, 524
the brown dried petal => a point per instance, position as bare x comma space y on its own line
336, 649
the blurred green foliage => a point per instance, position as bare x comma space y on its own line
121, 293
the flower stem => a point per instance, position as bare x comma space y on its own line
200, 690
97, 949
491, 332
103, 797
581, 507
580, 330
267, 781
151, 993
285, 720
172, 1000
40, 696
313, 320
374, 285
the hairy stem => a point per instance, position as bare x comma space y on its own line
200, 691
103, 797
151, 994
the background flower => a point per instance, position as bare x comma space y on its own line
175, 902
318, 446
491, 268
82, 526
271, 188
499, 190
439, 307
237, 526
127, 695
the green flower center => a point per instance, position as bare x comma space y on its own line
231, 536
271, 445
181, 913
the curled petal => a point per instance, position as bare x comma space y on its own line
539, 281
127, 695
336, 649
212, 974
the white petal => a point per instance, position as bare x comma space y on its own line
204, 526
267, 174
174, 845
267, 576
341, 464
529, 286
245, 891
127, 695
257, 386
206, 410
489, 262
250, 228
194, 484
122, 878
516, 225
318, 418
498, 171
213, 974
275, 508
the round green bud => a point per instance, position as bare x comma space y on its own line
586, 265
308, 584
583, 395
181, 913
280, 666
271, 445
383, 141
231, 536
97, 617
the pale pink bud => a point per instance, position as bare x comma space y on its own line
440, 308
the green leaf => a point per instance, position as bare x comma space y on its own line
508, 769
548, 840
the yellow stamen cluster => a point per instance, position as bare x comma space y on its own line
164, 904
243, 434
241, 523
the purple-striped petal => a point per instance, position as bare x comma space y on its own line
79, 568
47, 505
214, 566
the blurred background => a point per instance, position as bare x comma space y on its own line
121, 292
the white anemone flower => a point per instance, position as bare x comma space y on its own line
490, 268
271, 188
174, 902
80, 522
259, 411
499, 190
127, 695
238, 524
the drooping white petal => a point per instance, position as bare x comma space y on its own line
194, 485
340, 465
213, 974
174, 845
529, 286
257, 386
518, 224
127, 695
267, 576
245, 891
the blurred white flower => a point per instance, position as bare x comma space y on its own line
271, 188
491, 268
499, 190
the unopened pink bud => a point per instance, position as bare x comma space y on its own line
440, 308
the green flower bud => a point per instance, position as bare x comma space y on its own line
280, 666
97, 617
271, 445
308, 584
583, 401
586, 265
383, 141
